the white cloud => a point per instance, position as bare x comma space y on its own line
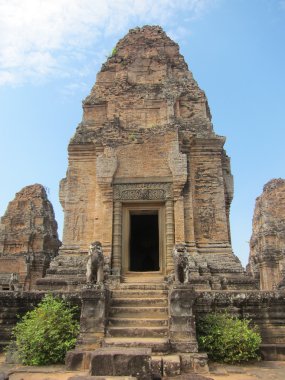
42, 38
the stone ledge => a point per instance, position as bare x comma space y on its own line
272, 352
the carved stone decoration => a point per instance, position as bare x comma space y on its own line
95, 264
207, 219
14, 282
177, 162
181, 264
143, 191
106, 166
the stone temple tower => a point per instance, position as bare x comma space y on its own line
146, 245
147, 172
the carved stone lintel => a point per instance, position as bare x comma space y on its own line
143, 191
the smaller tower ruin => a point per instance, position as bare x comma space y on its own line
28, 238
267, 243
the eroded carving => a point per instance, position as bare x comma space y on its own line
14, 282
95, 264
181, 263
207, 220
106, 166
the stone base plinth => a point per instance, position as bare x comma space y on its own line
121, 361
273, 352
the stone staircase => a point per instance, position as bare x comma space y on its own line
136, 340
138, 317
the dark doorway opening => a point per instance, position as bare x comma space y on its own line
144, 243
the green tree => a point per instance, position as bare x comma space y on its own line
45, 334
228, 339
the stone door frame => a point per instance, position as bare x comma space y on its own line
142, 208
143, 194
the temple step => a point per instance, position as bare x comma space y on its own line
143, 286
135, 311
142, 277
156, 344
137, 293
138, 317
151, 322
139, 302
138, 331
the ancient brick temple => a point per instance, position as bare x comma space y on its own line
267, 243
146, 170
146, 243
28, 238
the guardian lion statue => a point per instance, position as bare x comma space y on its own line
14, 282
95, 264
181, 264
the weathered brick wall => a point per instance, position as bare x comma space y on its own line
14, 304
147, 160
266, 309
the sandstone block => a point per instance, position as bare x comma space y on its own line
171, 365
121, 361
76, 360
156, 366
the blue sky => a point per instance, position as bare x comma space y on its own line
50, 52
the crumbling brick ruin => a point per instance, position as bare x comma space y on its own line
28, 238
145, 154
146, 202
267, 243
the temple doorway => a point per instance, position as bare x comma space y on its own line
144, 242
143, 239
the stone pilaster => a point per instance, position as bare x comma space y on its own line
182, 329
93, 316
268, 262
117, 237
169, 227
189, 208
178, 165
210, 216
106, 166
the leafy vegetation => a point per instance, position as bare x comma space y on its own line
45, 334
228, 339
